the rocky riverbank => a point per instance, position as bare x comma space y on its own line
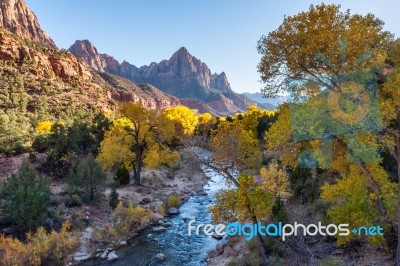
186, 180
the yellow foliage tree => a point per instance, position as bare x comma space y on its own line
139, 134
353, 201
185, 119
275, 180
44, 127
41, 248
247, 201
234, 147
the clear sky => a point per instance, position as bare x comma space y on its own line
221, 33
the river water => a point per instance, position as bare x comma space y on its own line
178, 247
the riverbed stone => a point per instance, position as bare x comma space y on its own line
104, 255
81, 256
173, 211
157, 217
160, 257
112, 256
217, 237
167, 225
146, 200
159, 229
123, 243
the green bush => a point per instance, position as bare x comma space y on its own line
73, 201
26, 198
122, 176
88, 180
114, 198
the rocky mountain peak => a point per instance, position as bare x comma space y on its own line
18, 18
220, 82
182, 53
86, 51
183, 76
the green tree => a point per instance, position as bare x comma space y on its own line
26, 198
88, 180
122, 176
114, 197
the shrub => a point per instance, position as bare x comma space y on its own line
40, 143
125, 220
74, 201
114, 198
161, 210
122, 176
88, 180
26, 197
173, 201
41, 248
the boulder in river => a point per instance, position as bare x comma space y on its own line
104, 255
160, 257
112, 256
217, 237
167, 225
159, 229
173, 211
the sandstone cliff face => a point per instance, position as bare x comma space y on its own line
88, 53
123, 90
19, 19
49, 63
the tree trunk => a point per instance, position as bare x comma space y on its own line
398, 199
261, 247
138, 167
398, 218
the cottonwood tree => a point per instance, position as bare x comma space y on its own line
346, 42
236, 150
140, 137
318, 46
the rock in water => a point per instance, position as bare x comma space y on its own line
160, 257
217, 237
112, 256
173, 211
159, 229
104, 255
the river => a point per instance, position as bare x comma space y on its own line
178, 247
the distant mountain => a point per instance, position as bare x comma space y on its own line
268, 103
183, 76
17, 17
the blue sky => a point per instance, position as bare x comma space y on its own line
222, 33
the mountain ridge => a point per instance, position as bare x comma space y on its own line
182, 75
